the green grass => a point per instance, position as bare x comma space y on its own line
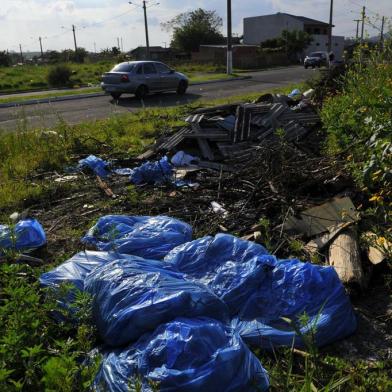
34, 77
26, 152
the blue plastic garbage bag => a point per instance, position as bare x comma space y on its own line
187, 355
181, 158
311, 296
295, 93
97, 165
144, 236
27, 234
232, 268
156, 172
76, 269
123, 171
132, 297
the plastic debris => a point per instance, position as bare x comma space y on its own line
183, 159
144, 236
218, 209
134, 296
310, 296
186, 184
157, 172
125, 171
97, 165
232, 268
189, 355
296, 93
26, 234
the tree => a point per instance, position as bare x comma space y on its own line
195, 28
5, 59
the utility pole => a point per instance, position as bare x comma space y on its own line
382, 32
229, 40
357, 33
330, 27
74, 35
21, 53
95, 47
40, 45
118, 43
363, 23
122, 47
146, 27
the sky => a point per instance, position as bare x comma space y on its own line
102, 21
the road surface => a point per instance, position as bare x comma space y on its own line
75, 111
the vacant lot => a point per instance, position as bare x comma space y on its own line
32, 77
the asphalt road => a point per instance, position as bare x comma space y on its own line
75, 111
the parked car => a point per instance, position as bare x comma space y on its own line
316, 59
141, 78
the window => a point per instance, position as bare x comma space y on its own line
162, 68
318, 44
317, 30
123, 67
149, 68
139, 70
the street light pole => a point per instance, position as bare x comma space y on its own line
229, 40
146, 28
357, 34
74, 36
363, 23
40, 44
330, 27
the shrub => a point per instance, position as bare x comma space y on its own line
59, 75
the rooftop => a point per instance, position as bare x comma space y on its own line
303, 19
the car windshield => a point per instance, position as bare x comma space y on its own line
315, 54
123, 67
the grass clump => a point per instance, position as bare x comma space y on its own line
59, 75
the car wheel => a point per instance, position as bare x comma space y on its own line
182, 86
116, 95
141, 91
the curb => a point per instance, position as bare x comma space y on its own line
100, 94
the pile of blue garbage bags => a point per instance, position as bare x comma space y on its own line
183, 314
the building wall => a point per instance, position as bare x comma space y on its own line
320, 43
260, 28
243, 56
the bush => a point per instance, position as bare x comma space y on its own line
60, 75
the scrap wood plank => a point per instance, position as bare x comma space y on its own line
344, 256
323, 218
205, 149
104, 186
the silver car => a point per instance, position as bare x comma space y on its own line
141, 78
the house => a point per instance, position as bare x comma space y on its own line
260, 28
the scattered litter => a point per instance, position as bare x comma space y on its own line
186, 184
144, 236
219, 209
26, 234
190, 355
97, 165
14, 216
152, 172
296, 296
67, 178
230, 267
296, 93
104, 186
125, 171
183, 159
378, 248
134, 296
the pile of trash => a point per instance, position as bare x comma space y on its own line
183, 320
236, 131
